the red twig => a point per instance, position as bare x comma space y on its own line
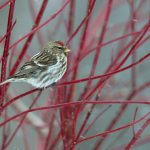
54, 143
7, 3
134, 55
133, 128
137, 135
85, 20
30, 37
94, 64
18, 97
71, 17
6, 49
81, 80
7, 33
21, 121
123, 108
98, 50
33, 14
75, 103
106, 74
117, 129
95, 119
40, 26
121, 63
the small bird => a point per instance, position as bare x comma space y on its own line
44, 68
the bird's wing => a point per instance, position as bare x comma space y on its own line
38, 62
28, 66
27, 69
44, 59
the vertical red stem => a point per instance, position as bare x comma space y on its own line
113, 122
101, 38
134, 55
21, 121
30, 37
137, 135
75, 73
71, 17
5, 52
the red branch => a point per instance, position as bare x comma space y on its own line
7, 3
22, 120
75, 103
115, 130
138, 134
30, 37
78, 81
6, 49
7, 33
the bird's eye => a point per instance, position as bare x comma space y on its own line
60, 48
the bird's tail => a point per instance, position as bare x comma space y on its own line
7, 81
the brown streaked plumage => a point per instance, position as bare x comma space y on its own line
44, 68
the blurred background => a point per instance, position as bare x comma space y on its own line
100, 33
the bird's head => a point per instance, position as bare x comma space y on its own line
58, 46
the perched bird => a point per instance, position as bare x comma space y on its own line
44, 68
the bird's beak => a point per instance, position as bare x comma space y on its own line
67, 50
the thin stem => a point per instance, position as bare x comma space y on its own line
138, 134
115, 130
22, 120
6, 49
30, 37
78, 103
